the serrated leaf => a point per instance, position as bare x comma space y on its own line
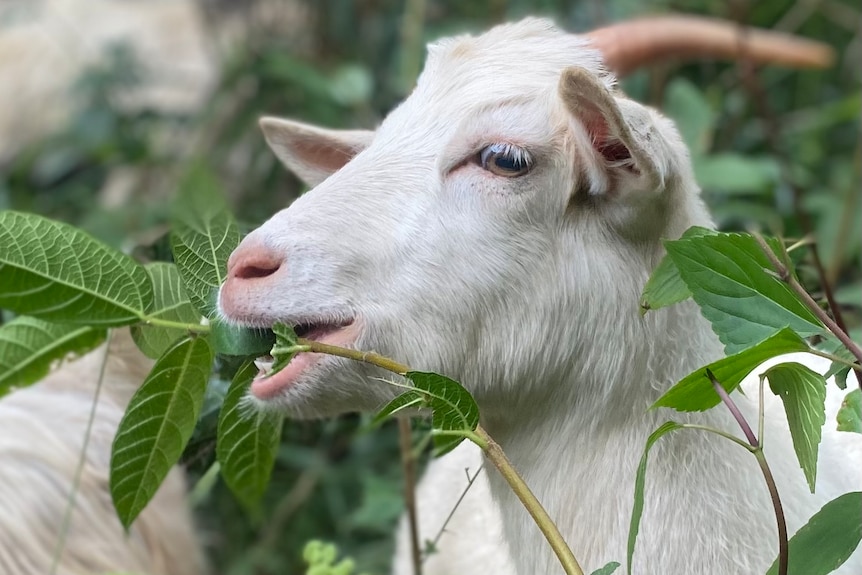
828, 539
284, 349
745, 304
695, 391
247, 442
665, 287
170, 303
607, 569
452, 408
803, 393
406, 400
839, 370
230, 339
850, 414
640, 483
57, 272
157, 425
204, 235
28, 347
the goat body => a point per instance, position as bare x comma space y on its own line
42, 431
498, 227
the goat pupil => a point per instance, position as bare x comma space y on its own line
505, 160
509, 163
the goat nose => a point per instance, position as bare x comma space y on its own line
252, 261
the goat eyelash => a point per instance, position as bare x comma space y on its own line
503, 159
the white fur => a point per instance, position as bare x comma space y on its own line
42, 431
526, 290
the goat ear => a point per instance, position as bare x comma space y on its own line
620, 134
313, 153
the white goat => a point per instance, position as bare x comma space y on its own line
498, 227
42, 431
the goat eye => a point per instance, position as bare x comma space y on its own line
505, 160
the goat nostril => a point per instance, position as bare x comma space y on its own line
255, 271
253, 265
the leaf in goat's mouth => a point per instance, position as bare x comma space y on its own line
230, 339
285, 348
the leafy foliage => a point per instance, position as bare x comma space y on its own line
454, 413
28, 347
803, 392
828, 539
248, 442
203, 236
48, 273
170, 303
157, 425
728, 278
850, 415
695, 391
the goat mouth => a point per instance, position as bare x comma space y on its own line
267, 385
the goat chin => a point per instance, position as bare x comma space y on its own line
42, 430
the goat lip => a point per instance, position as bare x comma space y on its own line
266, 387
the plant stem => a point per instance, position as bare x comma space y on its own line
783, 549
408, 465
491, 449
788, 278
495, 453
734, 410
835, 358
193, 327
470, 481
757, 450
723, 434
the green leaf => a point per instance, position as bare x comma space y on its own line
607, 569
695, 392
157, 425
248, 441
840, 370
664, 286
229, 339
406, 400
286, 346
803, 393
453, 409
727, 276
828, 539
170, 303
28, 347
56, 272
640, 483
203, 237
850, 414
735, 174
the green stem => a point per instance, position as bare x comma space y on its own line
76, 483
193, 327
835, 358
490, 447
495, 453
723, 434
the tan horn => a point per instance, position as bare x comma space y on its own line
629, 45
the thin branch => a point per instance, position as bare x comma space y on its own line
757, 450
788, 278
470, 481
76, 483
734, 410
492, 451
561, 549
408, 466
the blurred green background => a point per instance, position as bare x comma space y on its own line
117, 98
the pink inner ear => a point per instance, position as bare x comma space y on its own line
330, 157
605, 144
